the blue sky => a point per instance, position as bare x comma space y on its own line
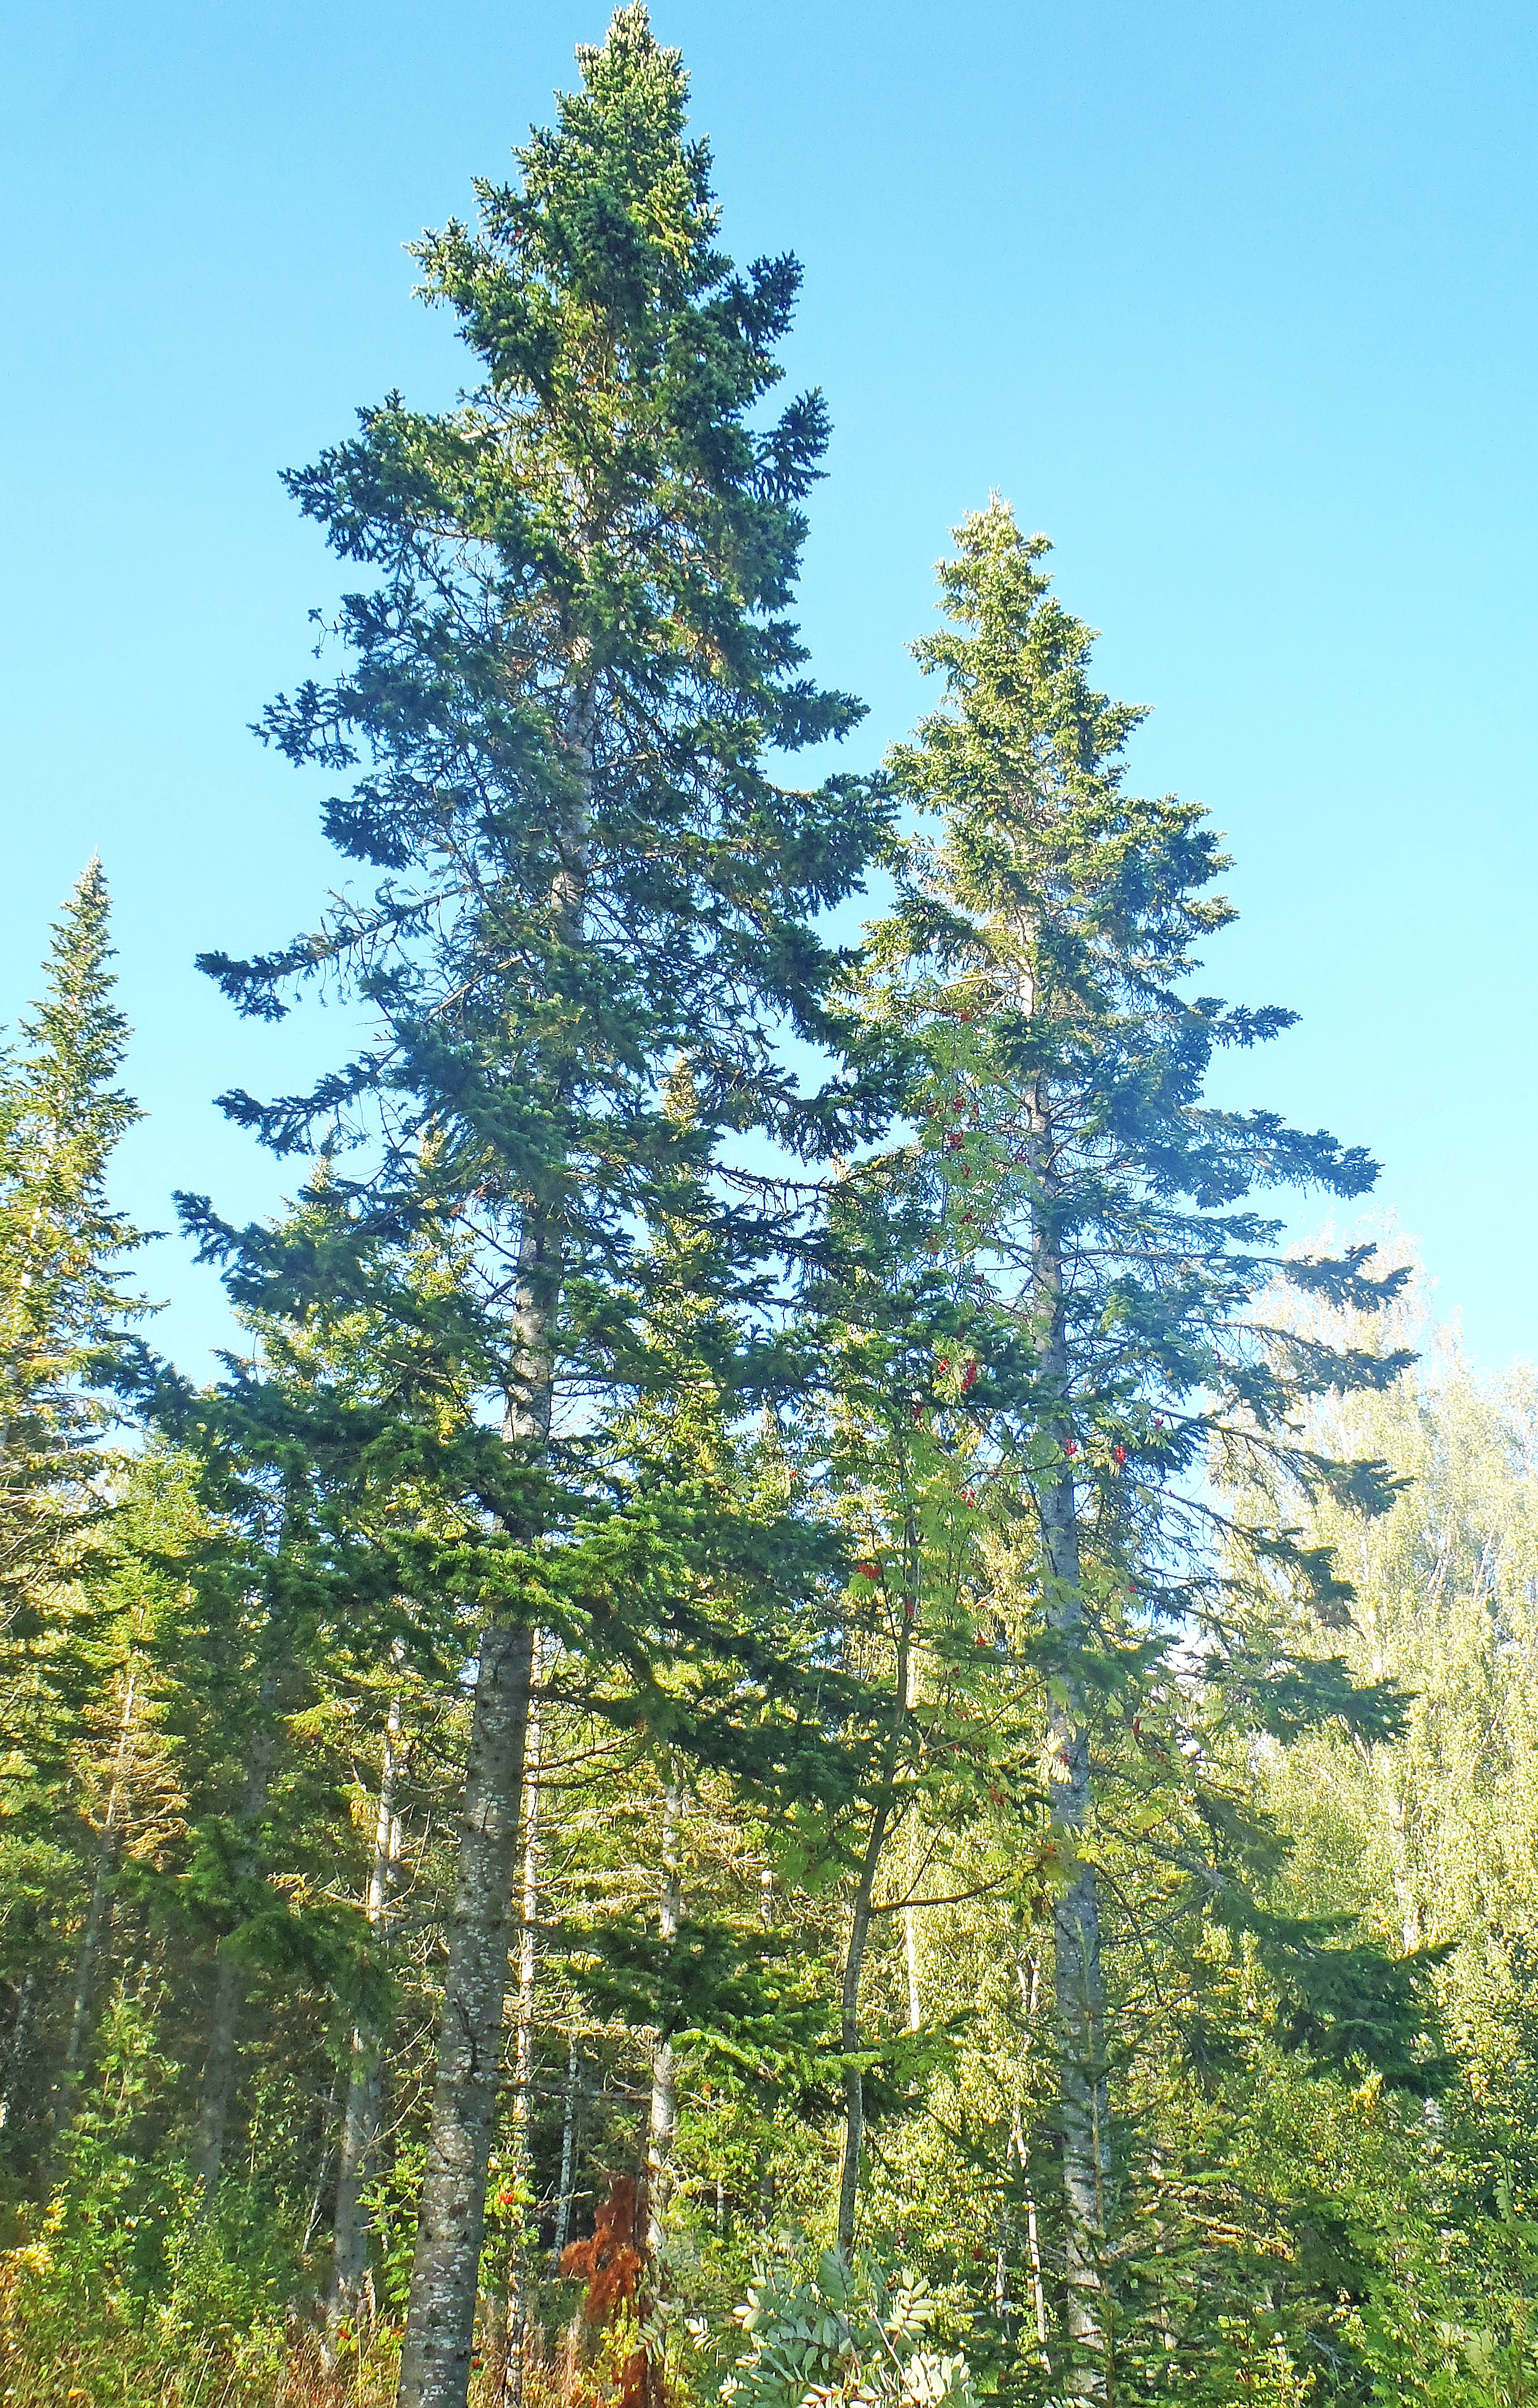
1237, 303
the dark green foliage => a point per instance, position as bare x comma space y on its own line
876, 1377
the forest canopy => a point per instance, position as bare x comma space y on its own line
814, 1718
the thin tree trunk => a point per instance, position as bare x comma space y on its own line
849, 2035
333, 2111
569, 2157
859, 1932
507, 2332
1084, 2119
218, 2077
1033, 2237
229, 1988
440, 2320
349, 2294
764, 2186
1029, 1997
663, 2122
435, 2370
20, 2041
910, 1951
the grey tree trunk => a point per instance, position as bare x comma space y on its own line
21, 2046
1017, 2141
859, 1933
331, 2123
508, 2330
440, 2318
1079, 1989
435, 2370
569, 2156
663, 2123
849, 2034
350, 2292
230, 1981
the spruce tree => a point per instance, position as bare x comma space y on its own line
64, 1319
568, 672
1092, 1210
65, 1347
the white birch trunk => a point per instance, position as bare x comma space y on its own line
569, 2157
663, 2120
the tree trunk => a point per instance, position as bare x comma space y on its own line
859, 1932
333, 2111
1082, 2104
569, 2157
20, 2044
229, 1986
1028, 1998
218, 2077
507, 2332
349, 2294
663, 2113
849, 2033
861, 1923
440, 2320
909, 1952
435, 2370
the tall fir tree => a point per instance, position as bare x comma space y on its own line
64, 1322
568, 675
67, 1345
1092, 1209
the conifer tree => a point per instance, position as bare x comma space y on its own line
65, 1344
569, 664
1095, 1210
64, 1319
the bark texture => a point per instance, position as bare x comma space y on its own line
21, 2046
663, 2120
436, 2361
570, 2102
507, 2330
435, 2370
1078, 1990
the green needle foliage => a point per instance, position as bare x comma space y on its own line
798, 1650
68, 1354
567, 680
65, 1321
1079, 1220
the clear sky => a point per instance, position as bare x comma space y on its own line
1236, 302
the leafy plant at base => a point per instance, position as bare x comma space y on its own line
836, 2332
